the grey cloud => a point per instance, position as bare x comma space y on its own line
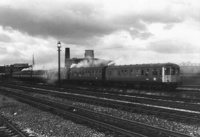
140, 20
10, 58
162, 17
80, 23
172, 47
145, 35
168, 26
140, 34
66, 26
5, 38
3, 51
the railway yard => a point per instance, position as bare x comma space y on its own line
76, 111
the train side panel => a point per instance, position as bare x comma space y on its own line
86, 74
149, 75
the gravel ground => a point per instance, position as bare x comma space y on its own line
42, 124
192, 130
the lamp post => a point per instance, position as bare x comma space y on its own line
59, 46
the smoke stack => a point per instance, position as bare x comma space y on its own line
67, 58
89, 54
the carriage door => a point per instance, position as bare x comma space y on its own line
166, 74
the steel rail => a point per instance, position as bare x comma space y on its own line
185, 116
13, 128
131, 123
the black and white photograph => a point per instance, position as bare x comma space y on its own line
99, 68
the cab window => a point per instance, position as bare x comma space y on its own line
177, 71
173, 71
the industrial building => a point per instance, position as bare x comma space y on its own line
9, 69
88, 61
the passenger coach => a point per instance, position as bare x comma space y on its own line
144, 75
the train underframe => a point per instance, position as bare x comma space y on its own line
132, 85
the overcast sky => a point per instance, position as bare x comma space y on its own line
125, 31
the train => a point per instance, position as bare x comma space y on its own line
148, 76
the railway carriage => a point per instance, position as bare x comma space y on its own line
16, 74
89, 74
149, 76
144, 75
39, 74
26, 74
36, 75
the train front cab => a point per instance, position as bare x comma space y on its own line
170, 75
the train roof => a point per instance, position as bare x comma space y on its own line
145, 65
88, 68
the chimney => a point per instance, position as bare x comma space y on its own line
67, 58
89, 54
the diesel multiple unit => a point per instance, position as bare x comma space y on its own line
165, 75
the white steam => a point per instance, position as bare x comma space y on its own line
92, 63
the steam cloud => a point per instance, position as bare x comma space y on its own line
92, 63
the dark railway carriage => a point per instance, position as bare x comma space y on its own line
36, 75
16, 74
87, 75
39, 74
164, 75
26, 74
144, 75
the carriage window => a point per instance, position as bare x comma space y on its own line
118, 72
131, 73
147, 72
160, 71
125, 72
110, 72
154, 72
167, 71
137, 72
142, 72
99, 72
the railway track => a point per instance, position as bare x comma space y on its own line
8, 129
122, 126
178, 111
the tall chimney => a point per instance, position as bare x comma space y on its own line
67, 58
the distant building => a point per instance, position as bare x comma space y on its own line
9, 69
